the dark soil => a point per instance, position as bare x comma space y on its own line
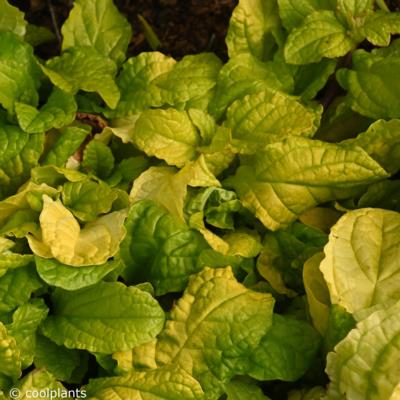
182, 26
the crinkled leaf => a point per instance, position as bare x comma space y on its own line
98, 159
83, 68
97, 23
288, 178
382, 142
19, 73
25, 322
364, 364
59, 111
66, 142
70, 278
320, 35
243, 75
17, 286
135, 81
36, 381
214, 328
167, 134
19, 153
164, 244
87, 200
58, 360
286, 351
119, 319
63, 238
362, 270
153, 80
254, 28
160, 384
293, 12
379, 26
267, 117
10, 363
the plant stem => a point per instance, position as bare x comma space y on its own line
54, 21
382, 5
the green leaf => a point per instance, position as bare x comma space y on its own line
10, 363
286, 352
23, 201
284, 253
254, 28
70, 278
267, 117
135, 81
216, 205
163, 185
383, 194
66, 142
311, 78
293, 12
58, 112
88, 199
167, 187
382, 142
37, 35
372, 74
54, 176
379, 26
25, 322
58, 360
317, 293
160, 384
286, 179
16, 287
364, 364
320, 35
98, 159
167, 134
190, 83
19, 73
100, 25
164, 244
83, 68
214, 328
12, 19
39, 381
19, 153
238, 390
316, 393
340, 322
153, 80
118, 320
243, 75
64, 240
354, 11
362, 270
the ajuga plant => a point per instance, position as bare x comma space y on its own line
194, 230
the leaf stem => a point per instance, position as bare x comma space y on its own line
382, 5
54, 21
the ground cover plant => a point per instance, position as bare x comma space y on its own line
196, 229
